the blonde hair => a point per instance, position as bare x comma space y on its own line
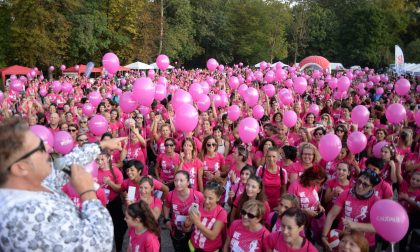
255, 204
306, 145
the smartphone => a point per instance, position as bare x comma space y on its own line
194, 207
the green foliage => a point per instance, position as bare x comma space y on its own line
412, 51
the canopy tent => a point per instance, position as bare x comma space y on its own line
274, 64
337, 66
15, 70
315, 62
409, 68
138, 66
82, 69
154, 66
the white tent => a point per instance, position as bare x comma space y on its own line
154, 66
271, 65
139, 66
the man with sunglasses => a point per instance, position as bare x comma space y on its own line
35, 213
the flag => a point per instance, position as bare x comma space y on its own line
399, 60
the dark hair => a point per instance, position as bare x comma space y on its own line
306, 117
189, 139
372, 176
109, 164
297, 214
99, 105
249, 168
185, 173
278, 113
106, 134
118, 113
244, 196
261, 147
218, 127
290, 152
170, 139
146, 179
215, 185
312, 173
133, 162
142, 211
324, 131
377, 162
12, 136
242, 151
203, 152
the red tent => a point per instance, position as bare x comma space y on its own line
121, 69
15, 70
82, 69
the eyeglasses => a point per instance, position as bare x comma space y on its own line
363, 184
339, 130
83, 122
72, 130
169, 145
367, 127
245, 213
40, 147
211, 144
82, 140
212, 184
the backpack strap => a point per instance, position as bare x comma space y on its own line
274, 220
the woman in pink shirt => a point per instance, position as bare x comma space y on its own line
190, 163
353, 208
212, 160
308, 156
238, 188
178, 203
209, 221
167, 163
247, 233
339, 184
143, 229
289, 239
146, 195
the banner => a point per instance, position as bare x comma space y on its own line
399, 60
89, 68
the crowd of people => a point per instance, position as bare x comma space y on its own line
211, 189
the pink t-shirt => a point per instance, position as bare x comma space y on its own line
208, 219
110, 194
135, 151
167, 166
333, 183
192, 168
414, 195
146, 241
238, 189
241, 239
157, 185
272, 184
212, 165
296, 168
357, 210
180, 207
308, 196
383, 190
276, 242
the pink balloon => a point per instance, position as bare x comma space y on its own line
402, 87
118, 92
343, 84
263, 65
186, 118
234, 112
123, 81
280, 74
151, 73
44, 133
395, 113
379, 91
160, 92
66, 87
203, 103
389, 219
356, 142
205, 86
269, 90
248, 129
195, 90
88, 109
1, 97
258, 112
289, 83
144, 110
285, 96
51, 69
251, 97
233, 82
216, 99
16, 85
92, 168
314, 108
111, 62
95, 98
98, 125
13, 77
162, 80
290, 118
258, 75
162, 61
333, 83
329, 146
221, 68
62, 67
242, 89
56, 86
63, 142
279, 66
377, 148
181, 97
270, 76
360, 115
212, 64
127, 102
417, 118
224, 100
144, 91
76, 67
300, 84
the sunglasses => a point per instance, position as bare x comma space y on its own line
339, 130
363, 184
367, 127
83, 122
211, 144
72, 130
318, 134
40, 147
249, 215
83, 140
169, 145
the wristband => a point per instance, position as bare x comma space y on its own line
87, 191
